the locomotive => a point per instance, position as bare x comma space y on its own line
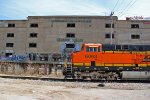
95, 63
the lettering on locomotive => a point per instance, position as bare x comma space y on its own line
146, 58
90, 56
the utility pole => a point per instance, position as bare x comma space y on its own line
111, 29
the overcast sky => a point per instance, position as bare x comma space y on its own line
21, 9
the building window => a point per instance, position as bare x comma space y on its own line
32, 45
11, 25
71, 25
70, 35
10, 34
70, 45
33, 35
108, 36
134, 25
109, 25
9, 44
33, 25
135, 36
8, 54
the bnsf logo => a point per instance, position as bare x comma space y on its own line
146, 58
90, 56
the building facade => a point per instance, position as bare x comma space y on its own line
44, 35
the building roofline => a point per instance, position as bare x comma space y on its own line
73, 16
13, 20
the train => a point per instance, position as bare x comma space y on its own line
97, 64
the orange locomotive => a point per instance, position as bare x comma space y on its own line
95, 63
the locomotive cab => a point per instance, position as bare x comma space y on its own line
92, 52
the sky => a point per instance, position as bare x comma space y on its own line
21, 9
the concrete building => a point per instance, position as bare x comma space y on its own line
43, 35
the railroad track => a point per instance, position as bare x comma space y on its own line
74, 80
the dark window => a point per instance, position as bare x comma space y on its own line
70, 35
32, 45
11, 25
108, 36
71, 25
125, 47
10, 34
134, 25
109, 25
99, 49
43, 57
113, 36
141, 48
33, 25
92, 49
8, 54
118, 47
70, 45
87, 49
9, 44
33, 35
135, 36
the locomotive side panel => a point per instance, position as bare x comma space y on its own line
118, 58
95, 63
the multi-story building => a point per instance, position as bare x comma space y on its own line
43, 35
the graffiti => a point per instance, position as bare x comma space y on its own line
14, 58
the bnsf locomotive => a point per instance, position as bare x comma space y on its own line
95, 63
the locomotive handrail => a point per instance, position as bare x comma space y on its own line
131, 52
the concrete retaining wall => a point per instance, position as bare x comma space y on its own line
29, 69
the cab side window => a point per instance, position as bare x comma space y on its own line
99, 49
92, 49
87, 49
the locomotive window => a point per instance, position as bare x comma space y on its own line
125, 47
87, 49
118, 47
92, 49
141, 48
98, 49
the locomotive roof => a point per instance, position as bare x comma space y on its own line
92, 44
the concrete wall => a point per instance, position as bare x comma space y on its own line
27, 69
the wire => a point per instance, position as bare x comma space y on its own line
120, 5
129, 5
115, 5
125, 8
128, 8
